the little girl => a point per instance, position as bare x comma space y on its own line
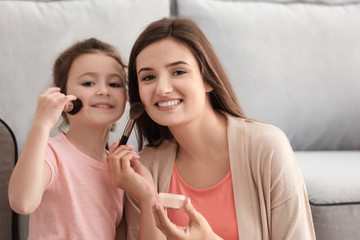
63, 182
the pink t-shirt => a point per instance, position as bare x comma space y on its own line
80, 201
216, 204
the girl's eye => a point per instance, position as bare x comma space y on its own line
178, 72
115, 85
148, 77
88, 84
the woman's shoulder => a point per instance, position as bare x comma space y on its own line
165, 146
256, 133
264, 132
166, 152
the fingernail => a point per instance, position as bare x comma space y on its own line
157, 205
189, 202
153, 202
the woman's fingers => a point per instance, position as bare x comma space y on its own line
191, 212
162, 221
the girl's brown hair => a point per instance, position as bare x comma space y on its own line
188, 33
63, 63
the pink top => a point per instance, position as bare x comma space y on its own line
80, 201
216, 204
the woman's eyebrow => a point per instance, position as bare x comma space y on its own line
144, 69
167, 65
176, 63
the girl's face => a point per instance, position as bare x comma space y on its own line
170, 83
96, 80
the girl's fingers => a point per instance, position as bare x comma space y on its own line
55, 91
51, 90
115, 149
71, 97
114, 146
119, 160
125, 161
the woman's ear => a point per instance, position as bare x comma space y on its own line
208, 87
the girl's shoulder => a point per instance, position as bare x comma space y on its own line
57, 139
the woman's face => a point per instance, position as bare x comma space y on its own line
170, 83
96, 80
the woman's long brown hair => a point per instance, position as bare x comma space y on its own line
188, 33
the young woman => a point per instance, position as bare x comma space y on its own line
63, 182
241, 175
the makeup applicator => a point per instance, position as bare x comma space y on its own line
74, 106
136, 110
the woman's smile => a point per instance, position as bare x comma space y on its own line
168, 103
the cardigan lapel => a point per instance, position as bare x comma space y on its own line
243, 189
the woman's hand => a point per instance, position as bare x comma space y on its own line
128, 173
50, 105
197, 228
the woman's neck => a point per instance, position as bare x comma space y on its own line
204, 139
92, 141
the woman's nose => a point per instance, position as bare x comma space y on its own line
163, 86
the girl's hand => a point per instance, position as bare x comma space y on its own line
50, 105
197, 228
128, 173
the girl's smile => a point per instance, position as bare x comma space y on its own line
96, 79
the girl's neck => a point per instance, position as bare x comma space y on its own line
92, 142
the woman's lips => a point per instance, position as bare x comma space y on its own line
168, 103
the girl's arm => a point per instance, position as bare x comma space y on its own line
130, 175
31, 174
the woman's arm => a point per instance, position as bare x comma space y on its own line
31, 174
290, 210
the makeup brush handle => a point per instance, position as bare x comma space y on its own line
128, 128
123, 140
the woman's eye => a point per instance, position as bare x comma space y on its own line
88, 84
178, 72
115, 85
148, 77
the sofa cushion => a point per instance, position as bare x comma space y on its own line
34, 33
294, 64
333, 183
331, 177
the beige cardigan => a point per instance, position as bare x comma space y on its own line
269, 191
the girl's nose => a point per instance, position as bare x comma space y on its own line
103, 89
163, 87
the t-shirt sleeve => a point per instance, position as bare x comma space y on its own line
51, 160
